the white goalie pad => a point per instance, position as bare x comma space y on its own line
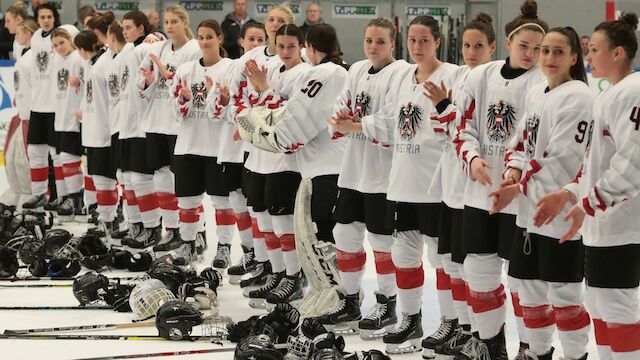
317, 258
17, 167
255, 125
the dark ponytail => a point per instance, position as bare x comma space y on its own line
87, 40
483, 23
324, 39
622, 32
577, 71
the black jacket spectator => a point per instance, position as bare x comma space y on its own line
231, 28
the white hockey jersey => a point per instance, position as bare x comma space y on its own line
17, 50
230, 150
22, 85
95, 105
304, 127
417, 145
610, 178
548, 147
132, 108
67, 97
365, 166
201, 118
491, 105
449, 181
113, 77
159, 116
282, 85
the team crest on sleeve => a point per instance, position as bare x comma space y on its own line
199, 95
16, 80
362, 104
63, 79
113, 84
42, 60
125, 77
501, 119
589, 138
531, 135
81, 74
409, 121
89, 91
162, 83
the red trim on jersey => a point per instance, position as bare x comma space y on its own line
189, 216
446, 118
409, 278
148, 202
272, 241
534, 168
336, 135
443, 280
288, 242
576, 180
351, 262
468, 115
243, 221
601, 205
225, 217
39, 174
515, 301
487, 300
569, 318
538, 317
107, 197
457, 289
587, 207
384, 264
601, 332
624, 337
238, 100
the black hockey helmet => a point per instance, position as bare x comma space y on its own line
176, 318
91, 244
117, 296
8, 262
31, 249
171, 275
87, 286
257, 347
54, 240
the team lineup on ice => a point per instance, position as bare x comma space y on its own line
475, 211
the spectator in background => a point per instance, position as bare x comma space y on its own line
34, 4
154, 20
584, 43
84, 13
232, 25
313, 17
14, 16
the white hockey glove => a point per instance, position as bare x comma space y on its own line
256, 125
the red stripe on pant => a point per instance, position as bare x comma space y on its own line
569, 318
538, 317
288, 242
409, 278
88, 184
624, 337
458, 289
443, 280
57, 172
272, 241
40, 174
148, 202
487, 301
107, 197
167, 201
351, 262
71, 169
225, 217
189, 216
515, 300
601, 332
255, 231
130, 196
384, 264
243, 221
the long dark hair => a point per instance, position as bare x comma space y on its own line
215, 26
138, 18
52, 8
577, 71
291, 30
622, 32
324, 39
87, 40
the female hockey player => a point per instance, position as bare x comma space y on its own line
478, 45
605, 194
67, 63
41, 135
548, 149
302, 128
159, 123
272, 86
253, 185
14, 16
363, 182
231, 156
199, 106
491, 105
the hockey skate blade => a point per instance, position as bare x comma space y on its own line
295, 303
407, 347
235, 279
428, 354
368, 335
346, 329
444, 357
63, 219
257, 303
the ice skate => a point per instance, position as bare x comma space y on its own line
405, 339
345, 316
440, 336
258, 297
380, 320
222, 258
246, 265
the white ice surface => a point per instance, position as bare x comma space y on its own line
232, 303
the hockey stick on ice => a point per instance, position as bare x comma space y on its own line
22, 286
55, 308
82, 328
46, 278
98, 337
159, 354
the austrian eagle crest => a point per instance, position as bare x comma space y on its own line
113, 85
63, 79
162, 82
42, 60
361, 108
409, 121
89, 95
199, 95
501, 120
125, 77
531, 135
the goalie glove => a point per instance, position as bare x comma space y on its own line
256, 125
196, 291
